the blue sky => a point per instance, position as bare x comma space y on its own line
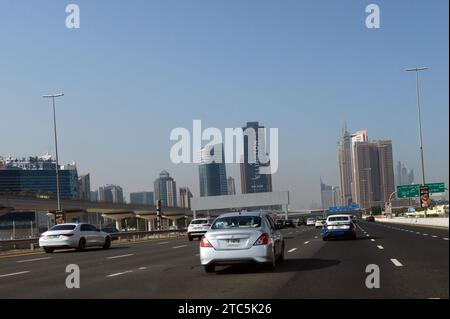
137, 69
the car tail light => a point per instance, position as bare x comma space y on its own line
262, 240
205, 243
67, 235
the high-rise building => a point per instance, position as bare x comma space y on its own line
143, 198
374, 173
326, 195
185, 197
252, 180
346, 157
84, 186
231, 185
94, 196
345, 167
37, 176
110, 194
403, 176
212, 172
166, 190
337, 196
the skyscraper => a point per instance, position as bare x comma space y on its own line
252, 181
212, 172
345, 167
185, 197
110, 194
326, 195
143, 198
231, 185
374, 173
166, 190
403, 176
84, 187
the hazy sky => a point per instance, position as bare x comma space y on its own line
137, 69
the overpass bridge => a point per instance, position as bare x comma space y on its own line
75, 208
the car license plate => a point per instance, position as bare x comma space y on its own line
233, 242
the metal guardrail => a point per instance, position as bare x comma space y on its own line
32, 243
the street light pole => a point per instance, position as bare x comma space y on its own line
419, 119
53, 96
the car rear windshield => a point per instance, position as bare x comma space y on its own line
63, 227
199, 221
237, 222
339, 219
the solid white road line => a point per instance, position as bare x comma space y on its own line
119, 273
292, 250
14, 274
396, 262
121, 256
380, 247
176, 247
30, 260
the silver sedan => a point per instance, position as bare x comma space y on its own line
246, 237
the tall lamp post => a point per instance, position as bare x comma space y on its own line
417, 70
53, 96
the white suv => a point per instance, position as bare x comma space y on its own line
198, 227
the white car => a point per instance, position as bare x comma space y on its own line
198, 227
311, 222
319, 223
77, 236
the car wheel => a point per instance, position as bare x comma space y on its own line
325, 238
81, 244
190, 238
210, 268
281, 256
48, 250
107, 244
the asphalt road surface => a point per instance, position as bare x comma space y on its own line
413, 263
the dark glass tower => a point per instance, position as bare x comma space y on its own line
212, 172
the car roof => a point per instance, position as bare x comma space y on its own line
245, 213
341, 215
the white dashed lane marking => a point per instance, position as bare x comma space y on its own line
292, 250
14, 274
396, 262
380, 247
121, 256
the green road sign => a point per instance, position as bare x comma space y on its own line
411, 191
408, 191
436, 188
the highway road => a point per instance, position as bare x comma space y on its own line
413, 262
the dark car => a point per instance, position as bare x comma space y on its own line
112, 231
280, 224
370, 219
288, 223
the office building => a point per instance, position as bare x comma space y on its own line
212, 172
111, 194
166, 190
84, 186
36, 176
374, 173
403, 175
326, 195
255, 157
185, 197
231, 186
143, 198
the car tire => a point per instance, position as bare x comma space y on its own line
281, 256
190, 238
210, 268
107, 244
325, 238
81, 245
48, 250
